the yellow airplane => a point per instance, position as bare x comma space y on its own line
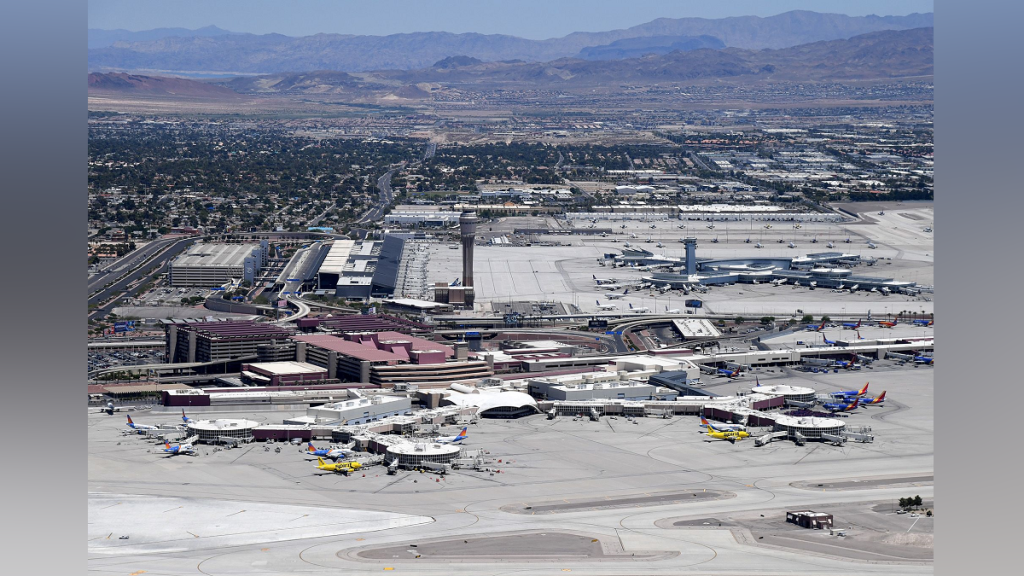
340, 467
730, 435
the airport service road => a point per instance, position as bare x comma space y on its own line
626, 466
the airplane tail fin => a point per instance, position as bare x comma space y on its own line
464, 432
320, 461
863, 390
167, 445
856, 402
130, 423
626, 292
881, 397
310, 447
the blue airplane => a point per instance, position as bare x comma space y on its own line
924, 322
851, 393
842, 406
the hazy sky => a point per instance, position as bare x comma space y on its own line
535, 19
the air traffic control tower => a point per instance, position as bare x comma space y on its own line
691, 255
467, 227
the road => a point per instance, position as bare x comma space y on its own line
386, 196
134, 258
117, 288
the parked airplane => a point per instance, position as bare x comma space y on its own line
924, 322
609, 286
827, 341
672, 311
182, 448
851, 325
140, 427
603, 280
184, 418
928, 360
731, 436
779, 282
462, 435
815, 327
842, 406
606, 306
874, 401
722, 427
847, 363
851, 393
887, 324
332, 453
340, 467
617, 296
730, 373
641, 310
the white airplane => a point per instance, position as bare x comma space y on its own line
606, 306
791, 245
672, 311
758, 245
603, 280
462, 435
779, 282
181, 448
617, 296
641, 310
140, 427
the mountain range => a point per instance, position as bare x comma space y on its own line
212, 50
873, 56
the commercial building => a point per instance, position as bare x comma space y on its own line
216, 431
283, 373
809, 427
210, 341
212, 265
810, 519
633, 391
411, 455
789, 393
356, 410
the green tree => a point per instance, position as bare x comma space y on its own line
739, 319
767, 320
917, 500
807, 319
